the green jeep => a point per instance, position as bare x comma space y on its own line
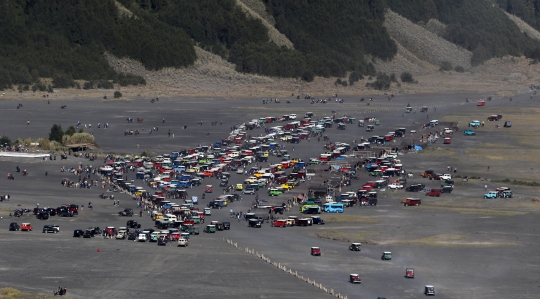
507, 194
274, 192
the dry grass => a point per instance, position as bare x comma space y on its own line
12, 293
425, 44
470, 210
349, 218
345, 236
524, 27
451, 240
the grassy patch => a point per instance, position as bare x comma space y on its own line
349, 218
345, 236
517, 182
472, 211
451, 240
12, 293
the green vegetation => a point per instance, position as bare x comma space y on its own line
527, 10
333, 35
65, 41
70, 131
414, 10
407, 77
382, 82
324, 47
117, 94
56, 133
477, 25
5, 141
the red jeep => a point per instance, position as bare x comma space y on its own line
409, 273
411, 202
279, 223
370, 184
366, 187
434, 192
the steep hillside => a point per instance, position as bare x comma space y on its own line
253, 10
48, 38
527, 10
478, 26
524, 27
424, 44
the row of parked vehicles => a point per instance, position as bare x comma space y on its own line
502, 192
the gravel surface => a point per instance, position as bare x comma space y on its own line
464, 245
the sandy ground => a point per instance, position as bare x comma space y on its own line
461, 243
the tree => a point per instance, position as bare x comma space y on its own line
70, 131
5, 141
117, 94
56, 133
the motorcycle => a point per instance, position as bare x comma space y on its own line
103, 196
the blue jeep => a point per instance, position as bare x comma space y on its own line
491, 194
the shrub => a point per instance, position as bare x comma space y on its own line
354, 77
407, 77
393, 78
117, 94
129, 79
308, 76
78, 138
70, 131
105, 84
459, 69
63, 81
5, 141
382, 82
445, 66
88, 85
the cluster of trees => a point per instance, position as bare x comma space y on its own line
478, 26
383, 81
70, 136
330, 38
334, 36
46, 38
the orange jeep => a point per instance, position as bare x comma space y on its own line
26, 227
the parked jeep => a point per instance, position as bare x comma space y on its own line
434, 192
491, 194
411, 202
126, 212
475, 124
506, 194
133, 224
469, 133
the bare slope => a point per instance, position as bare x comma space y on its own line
524, 27
405, 61
209, 76
425, 44
253, 9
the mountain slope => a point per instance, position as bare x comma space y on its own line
425, 44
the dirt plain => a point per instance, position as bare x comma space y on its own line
464, 245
